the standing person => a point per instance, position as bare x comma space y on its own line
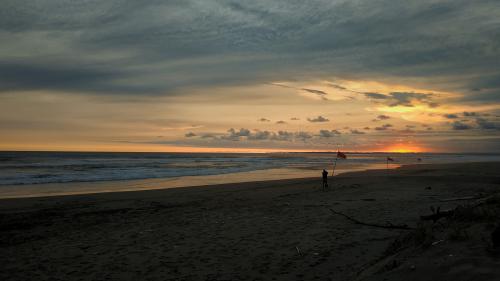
325, 179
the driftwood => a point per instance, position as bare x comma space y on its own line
437, 214
459, 199
298, 250
388, 225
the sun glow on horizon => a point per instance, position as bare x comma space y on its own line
406, 148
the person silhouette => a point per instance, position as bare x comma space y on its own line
325, 179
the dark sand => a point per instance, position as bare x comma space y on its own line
275, 230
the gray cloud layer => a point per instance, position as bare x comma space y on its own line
160, 47
244, 134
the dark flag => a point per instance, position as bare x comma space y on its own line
341, 155
389, 159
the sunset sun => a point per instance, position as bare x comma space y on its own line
405, 148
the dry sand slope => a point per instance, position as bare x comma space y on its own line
277, 230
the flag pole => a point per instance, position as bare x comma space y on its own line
335, 163
336, 157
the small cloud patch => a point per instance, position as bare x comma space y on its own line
383, 127
407, 99
329, 134
357, 132
459, 126
319, 93
487, 124
450, 116
318, 119
470, 114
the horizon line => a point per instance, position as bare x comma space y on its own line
252, 152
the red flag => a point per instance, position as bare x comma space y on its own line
390, 159
341, 155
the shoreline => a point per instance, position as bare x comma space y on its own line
140, 185
111, 186
50, 174
157, 184
281, 229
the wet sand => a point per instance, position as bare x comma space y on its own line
271, 230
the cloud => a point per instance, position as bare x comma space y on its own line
459, 126
487, 124
407, 99
264, 120
383, 127
329, 134
190, 134
18, 75
241, 133
318, 119
319, 93
283, 136
357, 132
450, 116
208, 136
376, 96
338, 87
427, 127
162, 47
235, 135
381, 117
194, 50
470, 114
244, 134
291, 136
260, 135
303, 136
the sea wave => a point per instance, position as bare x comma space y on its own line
19, 168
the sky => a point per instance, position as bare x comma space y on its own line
250, 76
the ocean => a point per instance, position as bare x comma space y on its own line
53, 173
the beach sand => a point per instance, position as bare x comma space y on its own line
273, 230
